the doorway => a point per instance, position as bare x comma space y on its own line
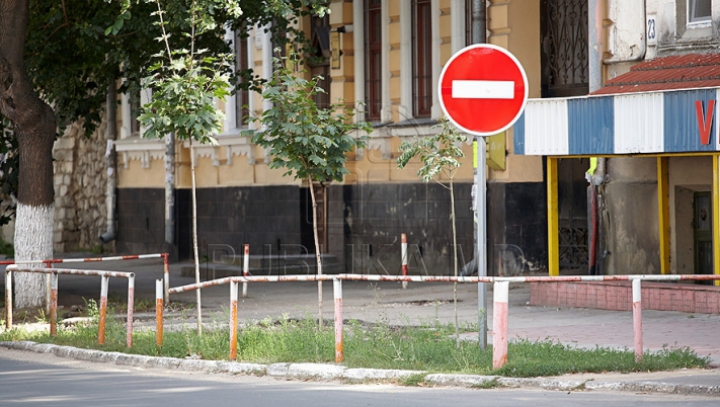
702, 233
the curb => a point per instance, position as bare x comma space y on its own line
325, 372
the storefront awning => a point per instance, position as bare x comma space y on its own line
667, 105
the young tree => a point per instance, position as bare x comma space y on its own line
439, 154
185, 84
309, 142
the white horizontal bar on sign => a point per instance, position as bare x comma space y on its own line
463, 89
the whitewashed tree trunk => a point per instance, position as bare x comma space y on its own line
35, 125
33, 241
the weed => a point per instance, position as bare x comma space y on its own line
414, 380
581, 386
41, 317
488, 384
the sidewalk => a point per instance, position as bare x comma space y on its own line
428, 302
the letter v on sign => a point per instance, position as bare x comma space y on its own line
705, 120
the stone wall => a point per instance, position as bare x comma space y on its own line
80, 183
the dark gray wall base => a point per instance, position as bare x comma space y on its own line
367, 236
365, 225
517, 227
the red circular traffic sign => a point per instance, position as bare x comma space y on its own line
483, 89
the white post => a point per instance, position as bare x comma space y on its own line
159, 312
130, 308
404, 258
233, 319
8, 299
637, 319
500, 324
339, 345
246, 267
104, 280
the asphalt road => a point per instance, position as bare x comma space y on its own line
45, 380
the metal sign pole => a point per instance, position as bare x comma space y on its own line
481, 238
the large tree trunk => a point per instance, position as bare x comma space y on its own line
35, 125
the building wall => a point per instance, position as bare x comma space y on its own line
377, 201
80, 179
631, 217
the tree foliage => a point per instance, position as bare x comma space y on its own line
185, 81
438, 154
9, 162
308, 141
75, 49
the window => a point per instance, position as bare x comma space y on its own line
319, 63
699, 11
134, 113
131, 101
242, 96
373, 59
422, 58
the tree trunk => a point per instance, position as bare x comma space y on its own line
317, 252
195, 238
35, 127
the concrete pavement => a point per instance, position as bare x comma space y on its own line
430, 302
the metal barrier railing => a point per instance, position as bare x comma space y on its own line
54, 272
500, 309
500, 298
48, 263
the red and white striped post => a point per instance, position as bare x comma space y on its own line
339, 345
166, 276
637, 319
53, 303
48, 289
130, 306
159, 312
246, 267
103, 308
404, 258
233, 319
8, 299
500, 324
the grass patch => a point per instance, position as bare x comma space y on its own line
414, 380
429, 348
488, 384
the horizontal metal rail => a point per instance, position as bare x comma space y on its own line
50, 262
89, 259
54, 273
75, 272
251, 279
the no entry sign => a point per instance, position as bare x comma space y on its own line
483, 89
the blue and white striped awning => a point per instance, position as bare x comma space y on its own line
680, 121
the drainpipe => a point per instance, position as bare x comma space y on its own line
478, 22
111, 159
